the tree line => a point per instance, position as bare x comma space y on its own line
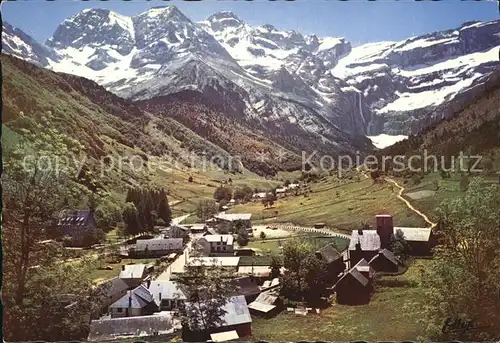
144, 208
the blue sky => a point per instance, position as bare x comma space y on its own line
356, 20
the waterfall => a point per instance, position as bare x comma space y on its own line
361, 109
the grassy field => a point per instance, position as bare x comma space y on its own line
392, 314
342, 206
185, 195
446, 189
273, 246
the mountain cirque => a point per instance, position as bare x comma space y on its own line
324, 86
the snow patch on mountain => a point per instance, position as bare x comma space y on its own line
383, 140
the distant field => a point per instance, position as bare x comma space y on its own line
185, 195
392, 314
273, 246
342, 206
447, 189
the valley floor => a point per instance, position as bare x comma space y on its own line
392, 314
340, 204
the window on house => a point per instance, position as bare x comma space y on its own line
119, 310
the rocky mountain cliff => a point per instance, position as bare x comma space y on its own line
407, 84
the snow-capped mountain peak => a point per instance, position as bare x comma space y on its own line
266, 72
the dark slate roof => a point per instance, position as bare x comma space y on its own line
329, 253
112, 287
356, 275
107, 329
364, 267
141, 297
77, 218
369, 240
389, 255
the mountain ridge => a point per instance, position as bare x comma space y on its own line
364, 90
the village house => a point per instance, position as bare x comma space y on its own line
109, 292
77, 225
420, 239
133, 274
152, 325
384, 261
280, 192
178, 231
168, 295
137, 302
156, 247
228, 220
216, 245
365, 269
237, 322
259, 196
364, 244
198, 228
354, 288
334, 261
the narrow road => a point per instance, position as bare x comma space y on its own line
178, 220
400, 197
408, 204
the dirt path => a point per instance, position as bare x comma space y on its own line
400, 197
408, 204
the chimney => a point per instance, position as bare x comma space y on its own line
130, 299
123, 267
358, 246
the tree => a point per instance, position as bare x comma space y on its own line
164, 211
131, 219
462, 279
243, 194
107, 215
294, 254
206, 209
190, 179
223, 193
315, 274
399, 246
222, 203
207, 289
262, 235
275, 267
35, 191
